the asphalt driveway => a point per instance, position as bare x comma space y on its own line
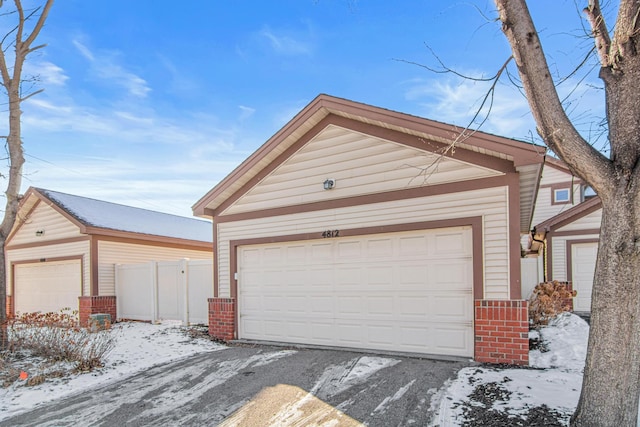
261, 386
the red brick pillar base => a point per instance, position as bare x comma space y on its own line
222, 318
10, 312
502, 331
95, 305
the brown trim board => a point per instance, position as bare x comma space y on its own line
410, 193
94, 261
48, 243
368, 129
569, 256
515, 287
14, 264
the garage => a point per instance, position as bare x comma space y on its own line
47, 286
583, 265
350, 228
409, 292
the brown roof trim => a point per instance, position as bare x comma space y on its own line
100, 234
585, 208
557, 164
409, 193
521, 152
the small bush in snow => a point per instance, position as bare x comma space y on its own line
549, 299
57, 337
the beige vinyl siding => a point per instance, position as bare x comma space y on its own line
587, 222
545, 209
559, 254
112, 253
359, 163
489, 203
53, 251
47, 219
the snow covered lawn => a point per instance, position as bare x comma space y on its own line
138, 346
545, 396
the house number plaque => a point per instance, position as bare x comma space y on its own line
330, 233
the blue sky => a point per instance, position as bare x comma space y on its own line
151, 103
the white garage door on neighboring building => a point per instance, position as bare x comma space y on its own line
47, 286
408, 291
583, 265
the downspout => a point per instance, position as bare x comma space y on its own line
544, 252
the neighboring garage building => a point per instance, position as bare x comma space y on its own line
569, 243
64, 247
356, 226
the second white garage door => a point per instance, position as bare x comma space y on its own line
408, 291
47, 286
583, 265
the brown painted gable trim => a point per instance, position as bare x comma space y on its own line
61, 211
523, 153
44, 260
372, 130
569, 256
515, 287
474, 222
48, 243
21, 220
571, 215
409, 193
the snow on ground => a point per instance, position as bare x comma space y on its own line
138, 347
556, 383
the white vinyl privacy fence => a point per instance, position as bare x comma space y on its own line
532, 273
165, 290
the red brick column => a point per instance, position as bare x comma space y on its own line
222, 318
502, 331
10, 312
94, 305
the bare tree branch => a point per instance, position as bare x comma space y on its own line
600, 31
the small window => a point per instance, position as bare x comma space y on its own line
561, 195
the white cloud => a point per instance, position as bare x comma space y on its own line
245, 112
105, 66
48, 73
285, 44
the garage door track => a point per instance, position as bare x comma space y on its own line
261, 386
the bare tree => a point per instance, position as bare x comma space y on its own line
21, 39
611, 385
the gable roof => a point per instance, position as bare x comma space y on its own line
570, 215
92, 215
526, 158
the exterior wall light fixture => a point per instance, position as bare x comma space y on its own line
329, 184
40, 233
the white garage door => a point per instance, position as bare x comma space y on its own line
583, 264
409, 291
47, 286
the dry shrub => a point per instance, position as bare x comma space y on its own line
57, 337
549, 299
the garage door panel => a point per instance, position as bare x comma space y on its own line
343, 292
47, 286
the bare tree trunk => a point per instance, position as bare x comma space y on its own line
11, 80
611, 383
4, 337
